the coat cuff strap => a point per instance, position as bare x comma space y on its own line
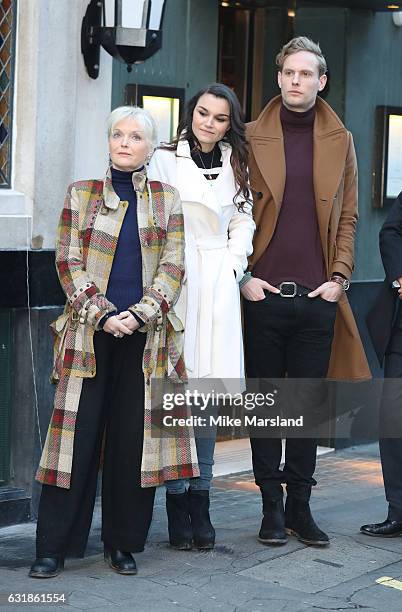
138, 319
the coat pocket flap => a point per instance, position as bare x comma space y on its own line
58, 325
176, 323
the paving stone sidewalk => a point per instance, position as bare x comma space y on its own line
240, 574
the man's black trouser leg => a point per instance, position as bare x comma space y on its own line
111, 404
391, 447
293, 336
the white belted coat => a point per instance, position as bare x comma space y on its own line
218, 239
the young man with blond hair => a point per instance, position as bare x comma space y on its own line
298, 322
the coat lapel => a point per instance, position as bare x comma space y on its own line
225, 185
191, 184
266, 140
330, 152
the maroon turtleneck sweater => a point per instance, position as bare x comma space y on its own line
295, 252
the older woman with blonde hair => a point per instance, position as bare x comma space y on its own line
119, 257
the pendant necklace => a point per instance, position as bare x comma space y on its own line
208, 176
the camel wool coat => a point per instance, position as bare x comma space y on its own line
335, 187
88, 233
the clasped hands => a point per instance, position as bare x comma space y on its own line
122, 324
253, 290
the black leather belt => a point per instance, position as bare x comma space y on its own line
289, 289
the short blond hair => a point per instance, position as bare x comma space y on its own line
302, 43
143, 117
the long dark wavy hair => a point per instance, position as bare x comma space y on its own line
235, 136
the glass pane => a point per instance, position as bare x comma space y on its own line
156, 14
131, 13
165, 111
394, 170
233, 59
109, 13
7, 43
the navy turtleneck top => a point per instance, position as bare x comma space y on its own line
125, 282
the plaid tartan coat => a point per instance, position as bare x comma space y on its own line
88, 232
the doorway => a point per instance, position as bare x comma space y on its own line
240, 54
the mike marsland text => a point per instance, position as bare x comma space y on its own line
227, 421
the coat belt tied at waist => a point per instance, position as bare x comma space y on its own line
200, 317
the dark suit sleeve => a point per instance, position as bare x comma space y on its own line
391, 242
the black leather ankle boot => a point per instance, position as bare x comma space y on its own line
46, 567
203, 531
299, 522
120, 561
179, 524
272, 529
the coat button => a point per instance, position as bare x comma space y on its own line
258, 195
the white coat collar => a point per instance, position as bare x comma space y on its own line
183, 149
194, 187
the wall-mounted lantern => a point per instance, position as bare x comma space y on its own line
130, 30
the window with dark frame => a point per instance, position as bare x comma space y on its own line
164, 103
235, 52
387, 171
8, 10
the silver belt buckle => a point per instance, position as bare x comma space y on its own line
289, 284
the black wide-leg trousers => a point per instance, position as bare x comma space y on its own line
290, 336
111, 408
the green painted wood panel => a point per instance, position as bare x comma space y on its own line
328, 28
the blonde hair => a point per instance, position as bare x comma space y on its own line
143, 117
302, 43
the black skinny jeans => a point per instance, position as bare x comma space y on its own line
290, 336
111, 407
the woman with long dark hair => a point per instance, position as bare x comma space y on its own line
207, 163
